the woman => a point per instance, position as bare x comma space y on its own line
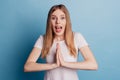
60, 46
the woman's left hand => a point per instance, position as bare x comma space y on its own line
61, 59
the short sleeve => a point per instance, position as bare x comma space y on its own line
39, 42
80, 40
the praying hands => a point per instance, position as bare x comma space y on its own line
59, 58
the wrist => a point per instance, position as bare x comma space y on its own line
64, 64
54, 65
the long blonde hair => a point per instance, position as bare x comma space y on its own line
49, 35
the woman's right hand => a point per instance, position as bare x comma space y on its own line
57, 55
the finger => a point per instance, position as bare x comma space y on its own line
60, 56
57, 46
58, 62
60, 59
58, 39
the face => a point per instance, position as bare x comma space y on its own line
58, 21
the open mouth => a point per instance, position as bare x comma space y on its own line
58, 28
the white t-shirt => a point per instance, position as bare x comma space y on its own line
62, 73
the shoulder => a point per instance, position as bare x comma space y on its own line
39, 42
78, 37
77, 34
79, 40
41, 37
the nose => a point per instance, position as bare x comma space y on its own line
57, 21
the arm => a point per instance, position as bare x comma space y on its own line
89, 62
31, 64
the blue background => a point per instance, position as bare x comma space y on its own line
22, 21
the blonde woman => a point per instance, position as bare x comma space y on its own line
60, 46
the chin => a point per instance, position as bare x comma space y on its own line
59, 34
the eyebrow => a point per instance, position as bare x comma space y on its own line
60, 15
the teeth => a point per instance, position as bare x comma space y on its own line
60, 27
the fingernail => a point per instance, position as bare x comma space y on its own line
57, 45
58, 39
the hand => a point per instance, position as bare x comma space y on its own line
60, 60
57, 55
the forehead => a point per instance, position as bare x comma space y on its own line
58, 12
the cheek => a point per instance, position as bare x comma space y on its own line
64, 28
64, 22
53, 23
53, 26
64, 25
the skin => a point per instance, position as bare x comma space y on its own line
58, 20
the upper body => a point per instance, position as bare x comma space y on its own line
62, 73
79, 42
59, 29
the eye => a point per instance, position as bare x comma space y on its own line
53, 18
63, 18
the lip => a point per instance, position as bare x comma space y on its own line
58, 28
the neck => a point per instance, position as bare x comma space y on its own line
61, 37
